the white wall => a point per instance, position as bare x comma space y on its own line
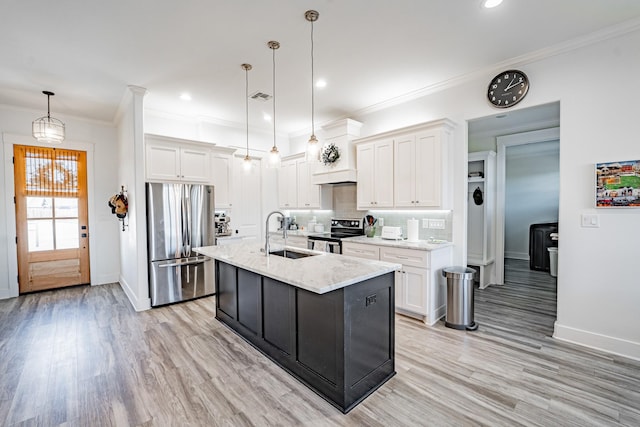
98, 140
531, 195
133, 241
597, 304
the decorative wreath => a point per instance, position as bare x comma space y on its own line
330, 154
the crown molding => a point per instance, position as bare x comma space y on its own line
538, 55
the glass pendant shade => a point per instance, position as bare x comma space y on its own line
48, 129
274, 158
313, 150
247, 164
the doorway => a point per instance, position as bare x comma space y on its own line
483, 135
525, 290
51, 217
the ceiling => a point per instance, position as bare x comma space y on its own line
368, 51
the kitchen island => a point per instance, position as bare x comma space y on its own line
326, 319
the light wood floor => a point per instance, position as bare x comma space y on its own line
83, 357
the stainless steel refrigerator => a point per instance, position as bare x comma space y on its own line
180, 217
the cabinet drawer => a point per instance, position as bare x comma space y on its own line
410, 257
361, 250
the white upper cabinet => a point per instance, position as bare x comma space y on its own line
375, 174
246, 197
221, 177
418, 170
406, 168
296, 189
308, 193
171, 159
287, 184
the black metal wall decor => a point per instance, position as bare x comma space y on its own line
119, 204
477, 196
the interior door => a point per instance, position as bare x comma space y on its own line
51, 217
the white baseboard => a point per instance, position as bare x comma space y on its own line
104, 279
606, 343
516, 255
138, 305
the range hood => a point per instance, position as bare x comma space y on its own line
341, 133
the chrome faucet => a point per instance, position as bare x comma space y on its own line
266, 234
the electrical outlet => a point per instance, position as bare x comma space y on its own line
425, 223
436, 224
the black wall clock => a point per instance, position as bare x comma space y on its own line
508, 88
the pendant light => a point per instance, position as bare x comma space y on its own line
47, 129
313, 146
274, 154
247, 164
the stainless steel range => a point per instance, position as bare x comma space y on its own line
340, 229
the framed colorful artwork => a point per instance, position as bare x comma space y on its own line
618, 184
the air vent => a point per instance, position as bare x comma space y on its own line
260, 96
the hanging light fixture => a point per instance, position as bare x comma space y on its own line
247, 160
274, 154
313, 146
47, 129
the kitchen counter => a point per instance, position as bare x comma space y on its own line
422, 245
320, 273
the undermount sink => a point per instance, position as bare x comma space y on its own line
288, 253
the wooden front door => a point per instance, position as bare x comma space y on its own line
51, 217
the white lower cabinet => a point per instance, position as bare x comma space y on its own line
420, 288
360, 250
411, 290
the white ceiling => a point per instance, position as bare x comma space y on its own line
369, 51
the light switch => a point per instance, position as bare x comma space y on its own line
590, 220
425, 223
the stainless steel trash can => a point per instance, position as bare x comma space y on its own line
459, 298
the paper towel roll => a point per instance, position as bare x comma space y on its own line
412, 230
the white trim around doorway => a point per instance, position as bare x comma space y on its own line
9, 140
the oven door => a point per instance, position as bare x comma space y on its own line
323, 245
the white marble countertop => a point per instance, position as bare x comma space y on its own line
320, 273
422, 245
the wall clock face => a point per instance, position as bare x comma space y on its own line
508, 88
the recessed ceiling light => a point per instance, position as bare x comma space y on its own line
321, 83
491, 3
185, 97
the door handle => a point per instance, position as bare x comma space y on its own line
180, 264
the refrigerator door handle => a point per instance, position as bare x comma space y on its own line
185, 221
180, 264
189, 220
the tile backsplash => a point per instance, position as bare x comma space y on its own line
344, 206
